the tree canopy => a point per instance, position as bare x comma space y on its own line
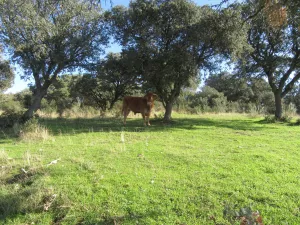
276, 49
109, 80
6, 74
48, 37
174, 39
244, 90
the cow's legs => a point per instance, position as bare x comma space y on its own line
144, 118
148, 120
126, 112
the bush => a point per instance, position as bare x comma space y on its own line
24, 98
285, 119
116, 111
32, 130
273, 119
12, 110
9, 105
289, 110
48, 107
232, 107
208, 100
297, 122
270, 119
9, 119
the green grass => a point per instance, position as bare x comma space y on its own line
182, 173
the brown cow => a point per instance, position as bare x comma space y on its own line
141, 105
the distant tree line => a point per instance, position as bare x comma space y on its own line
225, 92
220, 93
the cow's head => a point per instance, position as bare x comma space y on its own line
150, 97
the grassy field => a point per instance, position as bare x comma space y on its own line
95, 171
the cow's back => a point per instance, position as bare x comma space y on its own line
135, 104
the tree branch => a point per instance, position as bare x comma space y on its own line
290, 70
290, 85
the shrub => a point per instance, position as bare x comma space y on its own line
9, 104
116, 111
270, 119
253, 110
12, 110
289, 110
232, 107
32, 130
48, 107
9, 119
273, 119
285, 119
267, 103
208, 100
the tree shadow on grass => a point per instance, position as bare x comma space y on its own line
19, 188
63, 126
24, 195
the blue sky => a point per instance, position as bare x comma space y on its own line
20, 85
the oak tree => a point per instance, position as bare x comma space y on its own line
276, 47
174, 39
48, 37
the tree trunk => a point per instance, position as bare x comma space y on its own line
112, 103
278, 105
168, 112
36, 104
